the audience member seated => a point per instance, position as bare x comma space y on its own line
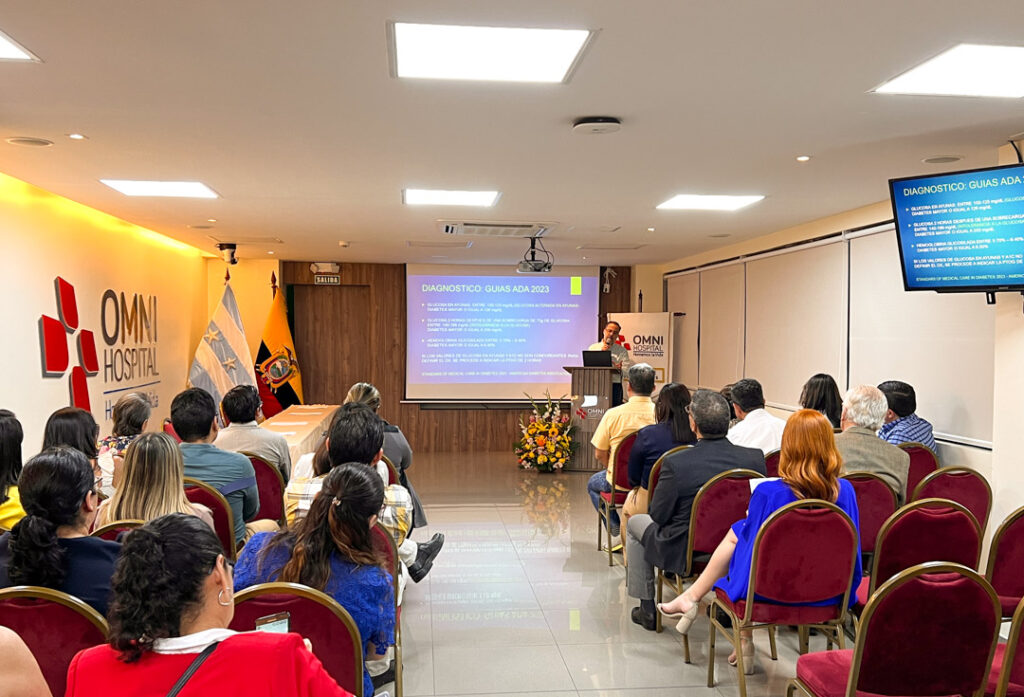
756, 427
727, 393
151, 484
864, 411
809, 468
902, 424
11, 436
194, 417
659, 538
51, 546
617, 423
131, 417
396, 447
243, 408
671, 431
75, 428
172, 604
822, 394
22, 677
331, 549
357, 435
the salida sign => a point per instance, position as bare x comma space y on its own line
128, 325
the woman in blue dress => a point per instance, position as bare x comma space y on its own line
809, 468
332, 550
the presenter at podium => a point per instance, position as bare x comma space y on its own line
620, 357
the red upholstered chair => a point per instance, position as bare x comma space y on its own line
1005, 567
804, 553
876, 501
169, 430
771, 463
922, 531
931, 630
198, 491
611, 502
54, 625
1007, 674
718, 504
393, 476
112, 530
655, 474
923, 461
314, 615
961, 484
270, 484
385, 545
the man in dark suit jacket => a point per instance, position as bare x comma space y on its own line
659, 539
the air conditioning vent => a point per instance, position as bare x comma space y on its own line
609, 247
493, 229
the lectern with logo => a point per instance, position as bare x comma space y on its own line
591, 398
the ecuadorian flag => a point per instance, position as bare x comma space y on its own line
277, 368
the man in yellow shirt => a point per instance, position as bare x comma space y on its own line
617, 423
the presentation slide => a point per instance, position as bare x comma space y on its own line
490, 334
961, 231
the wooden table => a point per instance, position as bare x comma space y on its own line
303, 426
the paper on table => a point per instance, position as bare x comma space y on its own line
288, 423
285, 433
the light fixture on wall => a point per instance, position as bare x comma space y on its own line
324, 267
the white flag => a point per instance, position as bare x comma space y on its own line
222, 358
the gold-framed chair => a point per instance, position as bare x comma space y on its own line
270, 484
923, 461
111, 530
964, 485
611, 502
197, 491
385, 543
393, 476
1005, 566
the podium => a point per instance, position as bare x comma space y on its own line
591, 398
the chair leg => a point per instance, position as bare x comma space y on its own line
686, 648
599, 521
738, 648
659, 586
611, 559
712, 633
840, 640
805, 638
771, 642
399, 688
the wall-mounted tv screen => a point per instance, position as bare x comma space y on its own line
961, 231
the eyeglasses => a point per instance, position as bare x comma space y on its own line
687, 410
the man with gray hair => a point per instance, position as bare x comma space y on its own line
864, 410
659, 539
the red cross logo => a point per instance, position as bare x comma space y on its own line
53, 345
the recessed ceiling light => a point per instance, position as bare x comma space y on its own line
269, 252
11, 51
699, 202
343, 243
803, 158
942, 159
211, 220
966, 70
130, 187
30, 141
650, 229
77, 136
440, 197
503, 54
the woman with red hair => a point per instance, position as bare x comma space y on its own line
809, 468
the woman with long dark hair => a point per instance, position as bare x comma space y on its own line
172, 602
821, 393
75, 428
51, 546
331, 549
809, 468
11, 436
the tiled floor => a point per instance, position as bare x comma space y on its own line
520, 601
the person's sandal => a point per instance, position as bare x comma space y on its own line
748, 657
685, 618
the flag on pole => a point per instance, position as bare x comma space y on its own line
280, 382
222, 358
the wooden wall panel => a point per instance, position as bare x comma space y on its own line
616, 301
329, 322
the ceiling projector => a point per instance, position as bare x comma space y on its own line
534, 266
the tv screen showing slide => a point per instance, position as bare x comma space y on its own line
962, 231
487, 333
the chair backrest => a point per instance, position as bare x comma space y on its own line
924, 531
876, 501
393, 476
315, 616
111, 530
1012, 668
1005, 567
54, 625
931, 630
655, 474
198, 491
719, 503
771, 463
169, 430
620, 466
961, 484
804, 553
384, 543
923, 461
270, 484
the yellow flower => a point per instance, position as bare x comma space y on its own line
542, 459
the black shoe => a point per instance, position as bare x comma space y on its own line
425, 557
646, 621
384, 678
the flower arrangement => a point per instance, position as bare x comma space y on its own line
546, 443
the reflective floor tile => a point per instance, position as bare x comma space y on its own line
449, 596
487, 670
602, 626
488, 627
651, 664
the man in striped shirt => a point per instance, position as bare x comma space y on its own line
902, 425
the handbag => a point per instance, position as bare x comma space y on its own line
191, 670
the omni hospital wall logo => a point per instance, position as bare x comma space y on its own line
54, 335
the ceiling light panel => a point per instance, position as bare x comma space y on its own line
11, 51
130, 187
966, 70
440, 197
700, 202
500, 54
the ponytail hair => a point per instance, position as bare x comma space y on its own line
158, 580
337, 521
53, 487
809, 461
11, 436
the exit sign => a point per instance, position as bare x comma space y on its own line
327, 279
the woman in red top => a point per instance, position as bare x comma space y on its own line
172, 601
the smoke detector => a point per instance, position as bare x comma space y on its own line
596, 125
